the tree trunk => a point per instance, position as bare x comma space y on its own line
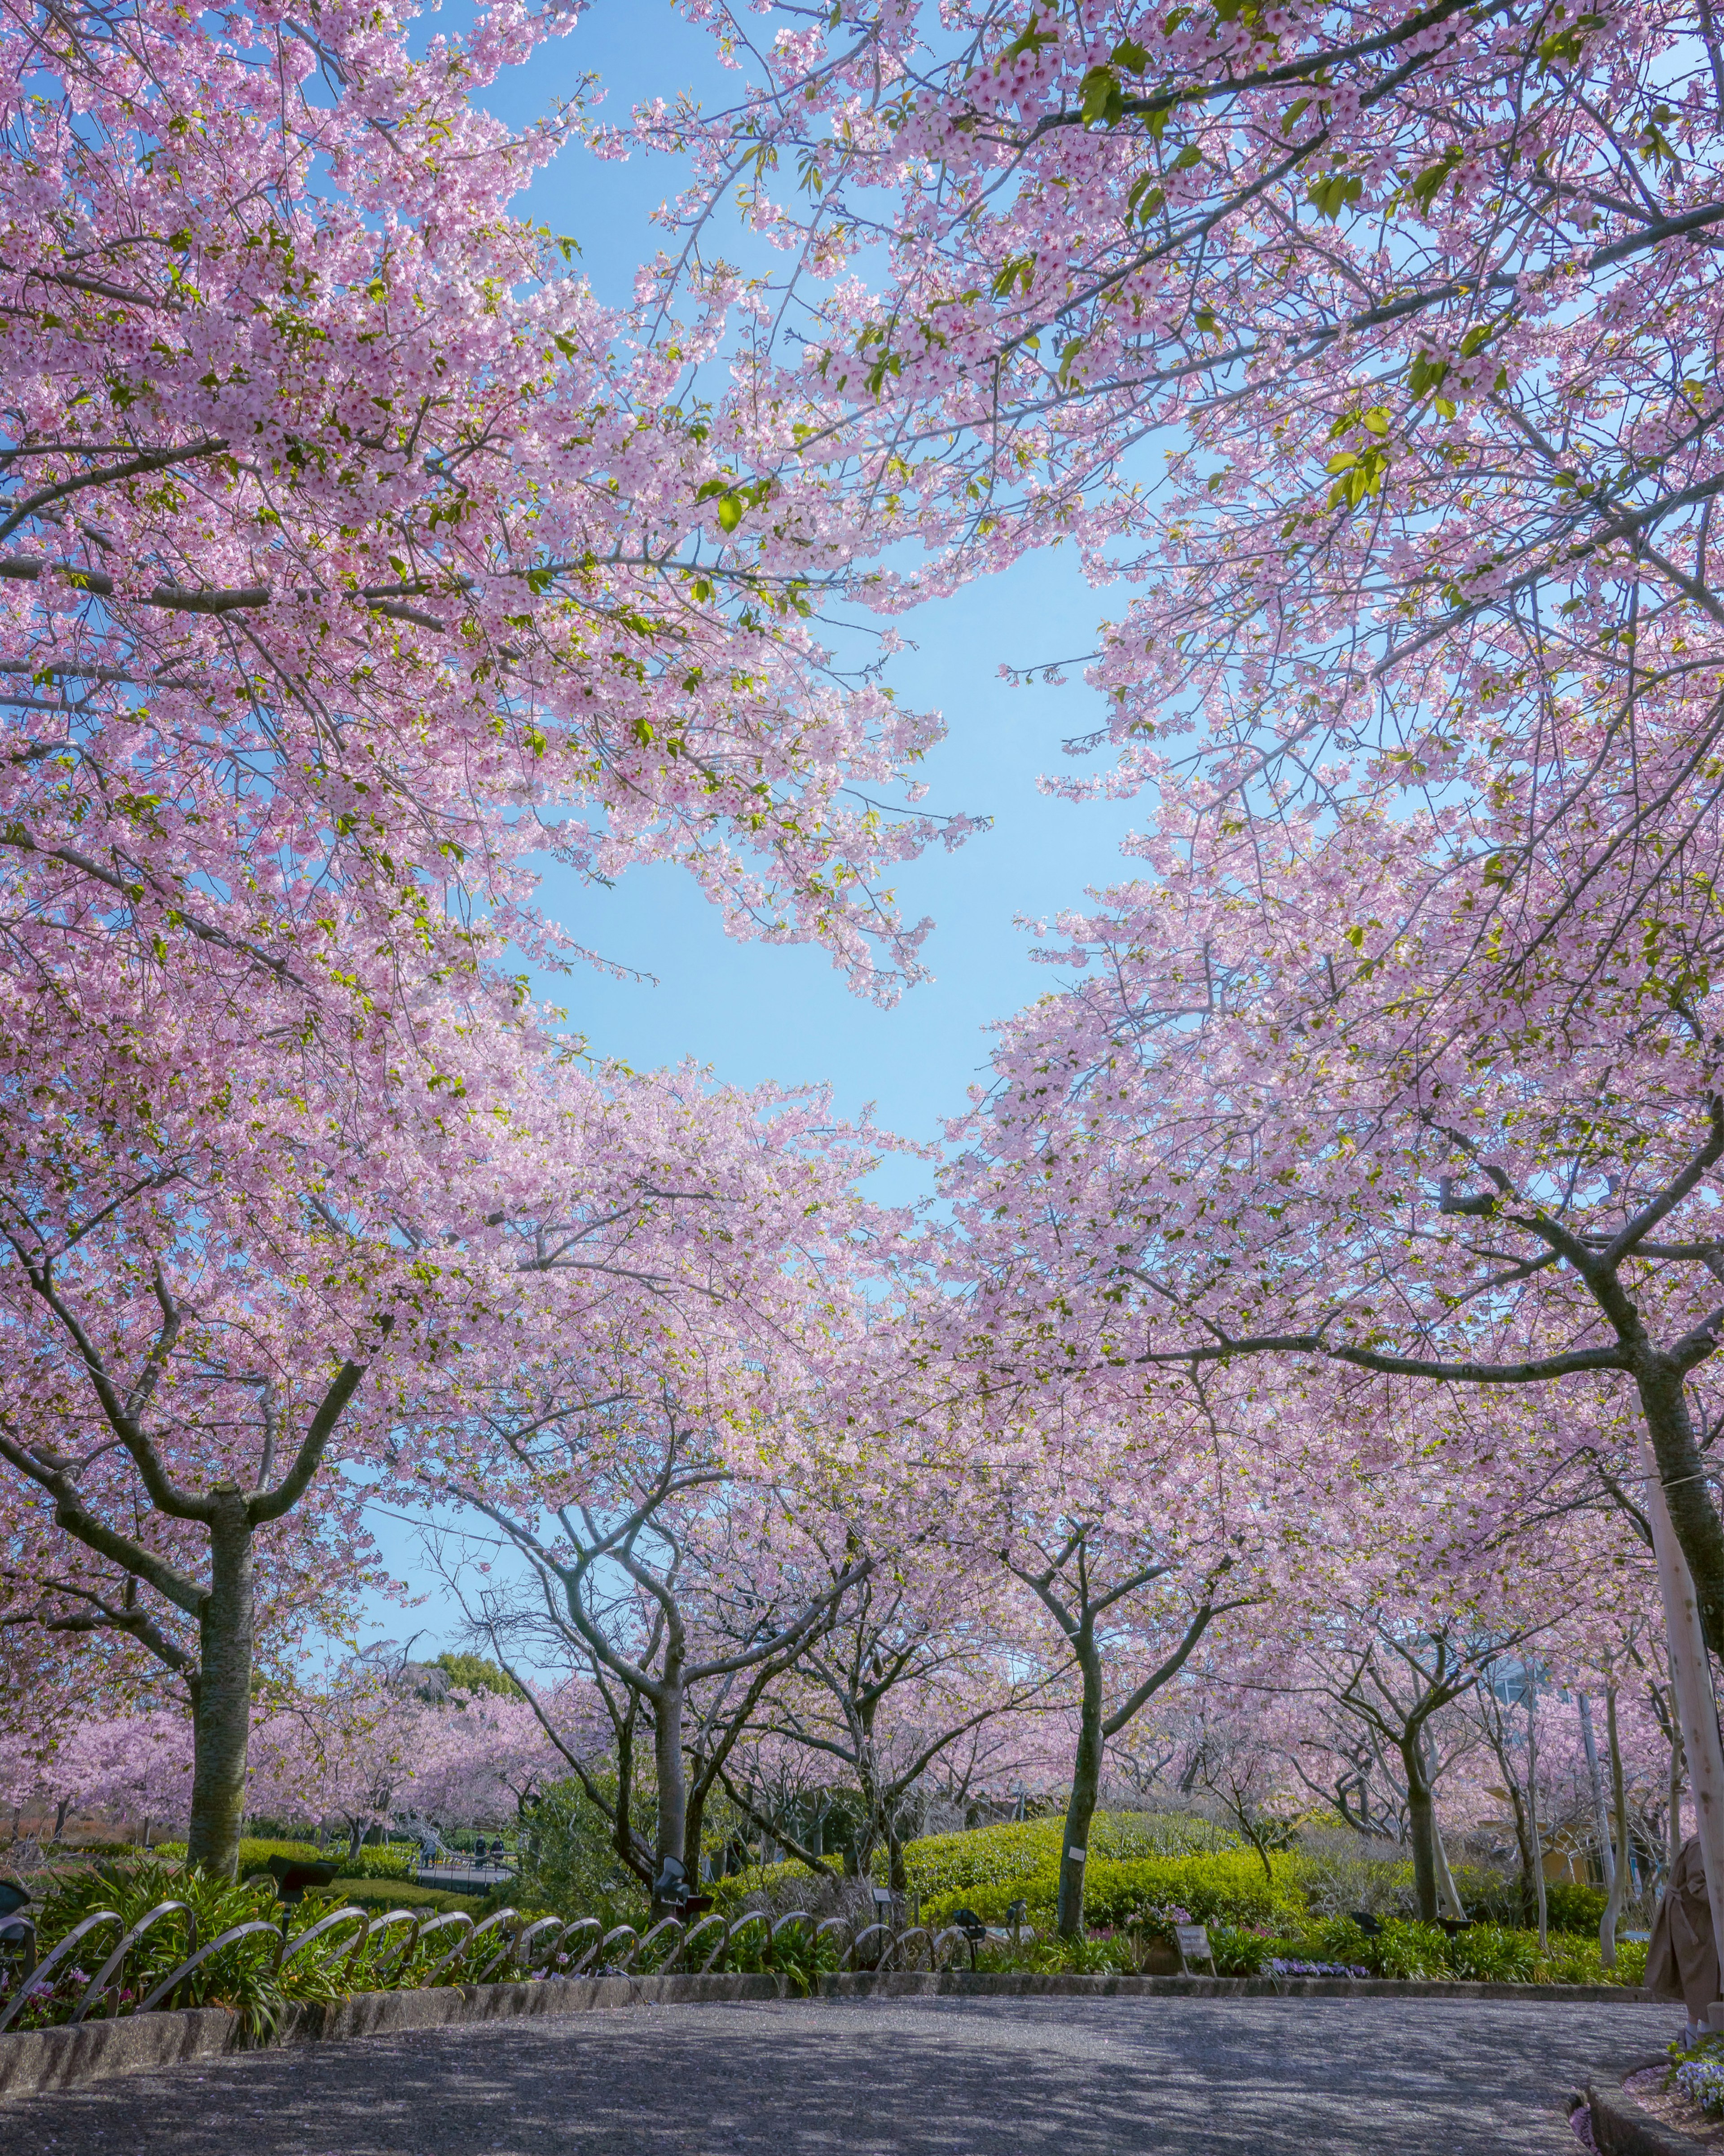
1448, 1893
1532, 1805
1601, 1810
1421, 1827
673, 1784
1620, 1868
694, 1830
1675, 1829
221, 1694
1691, 1681
1680, 1472
1085, 1790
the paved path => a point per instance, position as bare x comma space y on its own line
911, 2078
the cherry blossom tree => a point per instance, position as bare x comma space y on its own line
925, 1665
652, 1570
345, 523
1395, 287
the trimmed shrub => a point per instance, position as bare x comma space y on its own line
942, 1864
1229, 1887
253, 1854
1569, 1906
387, 1860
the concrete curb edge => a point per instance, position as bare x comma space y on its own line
963, 1984
1622, 2128
36, 2060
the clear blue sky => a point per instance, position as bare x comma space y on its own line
757, 1011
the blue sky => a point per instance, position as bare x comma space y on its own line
756, 1012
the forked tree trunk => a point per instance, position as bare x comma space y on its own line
221, 1692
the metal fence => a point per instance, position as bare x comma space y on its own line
505, 1945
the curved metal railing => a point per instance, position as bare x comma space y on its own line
536, 1949
99, 1982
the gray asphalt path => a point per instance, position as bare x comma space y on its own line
910, 2077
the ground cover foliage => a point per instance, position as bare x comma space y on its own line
1293, 1906
1269, 1918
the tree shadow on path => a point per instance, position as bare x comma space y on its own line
929, 2078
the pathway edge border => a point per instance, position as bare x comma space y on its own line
36, 2061
967, 1983
33, 2061
1622, 2128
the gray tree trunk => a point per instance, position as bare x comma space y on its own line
221, 1693
1085, 1793
1422, 1828
1663, 1387
673, 1783
1448, 1893
1601, 1810
1532, 1805
1619, 1867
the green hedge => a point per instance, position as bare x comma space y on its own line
1229, 1887
1570, 1906
390, 1859
253, 1855
942, 1864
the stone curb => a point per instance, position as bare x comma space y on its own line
966, 1984
35, 2059
1622, 2128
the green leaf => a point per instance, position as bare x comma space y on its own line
1101, 98
1129, 54
1330, 196
730, 512
1426, 373
1146, 198
1425, 188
